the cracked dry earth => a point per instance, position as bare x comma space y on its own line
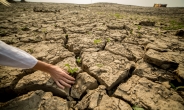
128, 56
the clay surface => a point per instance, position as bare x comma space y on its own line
121, 56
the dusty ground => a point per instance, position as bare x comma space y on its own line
123, 57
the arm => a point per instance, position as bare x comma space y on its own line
14, 57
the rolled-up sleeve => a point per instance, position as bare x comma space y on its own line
14, 57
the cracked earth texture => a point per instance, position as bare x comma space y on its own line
127, 56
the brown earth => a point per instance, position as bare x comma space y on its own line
125, 56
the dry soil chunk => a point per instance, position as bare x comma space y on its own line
40, 80
130, 51
77, 43
107, 68
116, 26
112, 103
159, 45
135, 50
80, 30
136, 39
28, 101
98, 100
36, 100
180, 70
165, 44
180, 33
83, 83
119, 49
117, 35
8, 78
145, 93
166, 60
151, 72
90, 100
10, 40
147, 23
176, 44
50, 102
47, 51
57, 36
31, 37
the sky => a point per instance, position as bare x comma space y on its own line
149, 3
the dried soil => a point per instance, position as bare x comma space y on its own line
124, 56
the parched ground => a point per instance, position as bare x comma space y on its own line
124, 57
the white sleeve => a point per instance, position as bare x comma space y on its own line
14, 57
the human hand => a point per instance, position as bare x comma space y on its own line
61, 77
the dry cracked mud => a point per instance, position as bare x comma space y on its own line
125, 57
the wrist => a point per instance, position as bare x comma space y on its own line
49, 68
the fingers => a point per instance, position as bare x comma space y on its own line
68, 77
62, 87
68, 81
61, 77
64, 83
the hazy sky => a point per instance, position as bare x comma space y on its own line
170, 3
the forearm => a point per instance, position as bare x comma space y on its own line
11, 56
14, 57
42, 66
